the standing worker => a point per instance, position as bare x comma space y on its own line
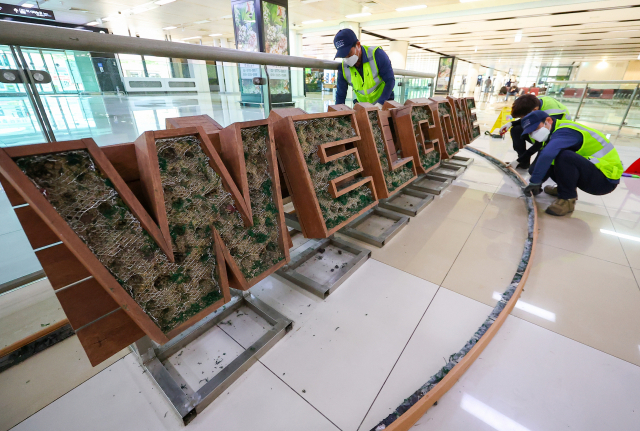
574, 156
366, 68
522, 106
487, 85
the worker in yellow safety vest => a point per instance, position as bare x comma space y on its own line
367, 69
522, 106
574, 156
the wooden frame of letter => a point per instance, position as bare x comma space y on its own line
470, 103
463, 119
323, 168
449, 124
418, 132
113, 261
379, 150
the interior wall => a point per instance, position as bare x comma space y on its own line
589, 71
633, 71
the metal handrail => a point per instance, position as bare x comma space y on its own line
42, 36
593, 82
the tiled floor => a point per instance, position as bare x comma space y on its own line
567, 358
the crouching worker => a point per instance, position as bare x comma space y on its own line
572, 155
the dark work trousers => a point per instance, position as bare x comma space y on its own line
520, 146
571, 171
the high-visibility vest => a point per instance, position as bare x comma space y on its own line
596, 148
552, 107
369, 89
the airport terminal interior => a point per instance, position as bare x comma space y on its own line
199, 230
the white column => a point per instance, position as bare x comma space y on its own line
230, 70
297, 73
220, 69
353, 25
398, 53
198, 69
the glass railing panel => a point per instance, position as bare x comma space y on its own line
569, 95
417, 88
605, 104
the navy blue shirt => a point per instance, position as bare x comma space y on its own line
561, 139
385, 72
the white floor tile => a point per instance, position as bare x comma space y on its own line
529, 378
42, 379
340, 358
448, 324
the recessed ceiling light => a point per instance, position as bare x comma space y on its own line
27, 5
313, 21
406, 8
201, 21
357, 15
215, 35
92, 23
192, 37
171, 27
161, 2
518, 37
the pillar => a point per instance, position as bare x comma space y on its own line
353, 25
297, 73
230, 71
398, 53
220, 70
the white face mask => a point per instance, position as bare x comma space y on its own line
351, 61
541, 135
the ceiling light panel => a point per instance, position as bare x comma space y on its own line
407, 8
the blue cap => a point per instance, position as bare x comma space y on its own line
344, 41
531, 122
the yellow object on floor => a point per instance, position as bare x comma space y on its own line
503, 118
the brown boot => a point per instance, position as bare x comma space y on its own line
561, 207
551, 190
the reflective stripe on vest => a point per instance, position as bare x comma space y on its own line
606, 145
596, 148
370, 50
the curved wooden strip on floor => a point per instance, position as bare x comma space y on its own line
417, 410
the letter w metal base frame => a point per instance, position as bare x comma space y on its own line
313, 270
152, 356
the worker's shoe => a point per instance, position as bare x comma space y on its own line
561, 207
551, 190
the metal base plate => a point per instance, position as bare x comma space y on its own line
324, 265
407, 201
466, 161
453, 172
429, 183
455, 163
188, 405
375, 226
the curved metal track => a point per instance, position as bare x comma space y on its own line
414, 407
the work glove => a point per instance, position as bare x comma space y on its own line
504, 129
532, 189
378, 105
